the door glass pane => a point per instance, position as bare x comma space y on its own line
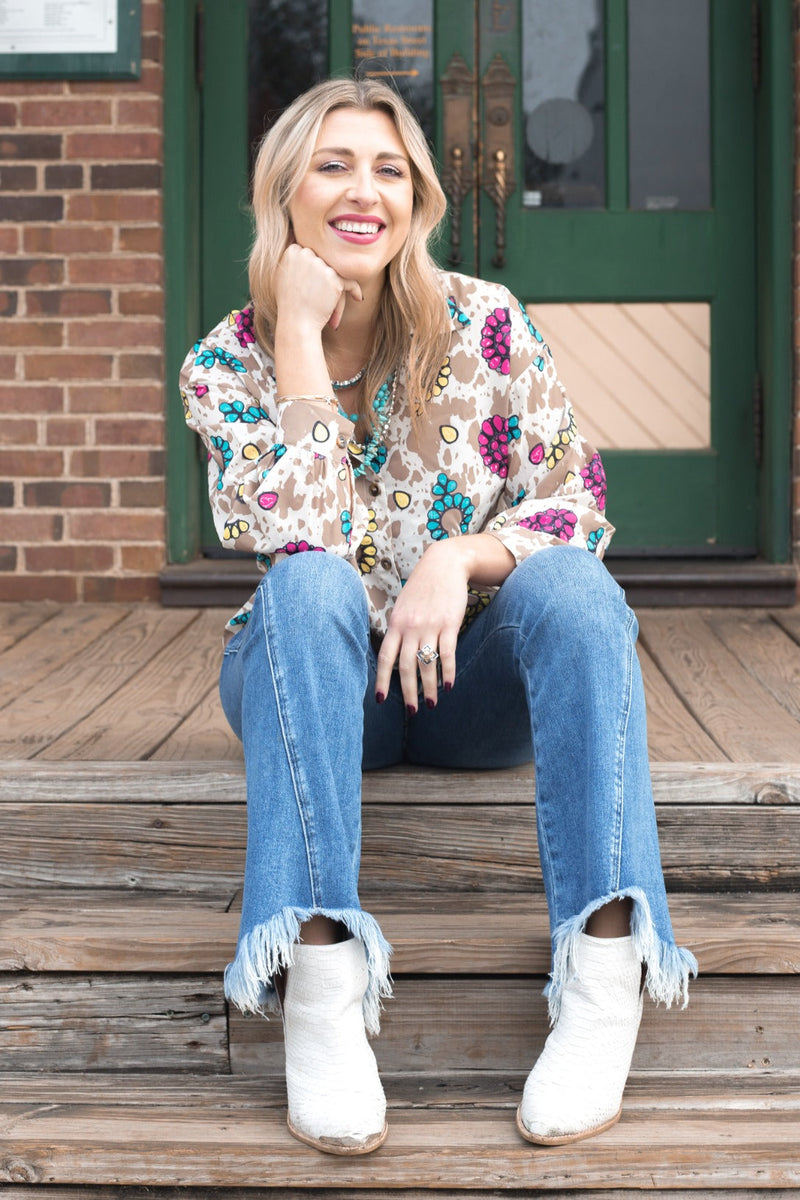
669, 104
287, 53
639, 375
393, 40
563, 99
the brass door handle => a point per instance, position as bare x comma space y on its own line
498, 162
499, 198
457, 194
457, 173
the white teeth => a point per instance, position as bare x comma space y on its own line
356, 226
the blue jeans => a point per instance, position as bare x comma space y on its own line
548, 671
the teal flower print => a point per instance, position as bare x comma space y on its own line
448, 500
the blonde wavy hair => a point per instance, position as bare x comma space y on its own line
412, 330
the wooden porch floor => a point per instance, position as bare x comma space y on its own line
126, 683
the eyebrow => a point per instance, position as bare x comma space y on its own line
346, 152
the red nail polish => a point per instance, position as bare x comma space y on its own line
448, 687
430, 703
379, 697
411, 709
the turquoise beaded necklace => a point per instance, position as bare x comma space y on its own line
383, 405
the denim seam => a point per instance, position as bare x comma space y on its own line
622, 739
291, 757
543, 842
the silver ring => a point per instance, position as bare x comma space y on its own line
427, 655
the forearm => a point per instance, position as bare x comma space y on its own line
484, 560
300, 367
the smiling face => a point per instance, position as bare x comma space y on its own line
353, 205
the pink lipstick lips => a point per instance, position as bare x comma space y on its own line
361, 231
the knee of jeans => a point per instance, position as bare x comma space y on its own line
313, 586
570, 589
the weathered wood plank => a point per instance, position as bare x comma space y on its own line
17, 620
111, 1192
765, 651
145, 1023
63, 638
500, 1024
204, 734
418, 847
425, 1150
165, 689
223, 782
745, 721
695, 1090
730, 934
68, 694
673, 734
789, 620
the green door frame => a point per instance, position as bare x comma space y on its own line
182, 227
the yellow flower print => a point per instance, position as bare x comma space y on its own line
401, 499
234, 529
186, 410
448, 433
366, 555
557, 447
372, 524
250, 451
442, 379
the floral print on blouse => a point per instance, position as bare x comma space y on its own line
497, 452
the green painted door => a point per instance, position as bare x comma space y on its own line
599, 159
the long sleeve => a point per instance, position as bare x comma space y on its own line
555, 489
280, 479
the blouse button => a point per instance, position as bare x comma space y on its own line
386, 563
341, 441
374, 489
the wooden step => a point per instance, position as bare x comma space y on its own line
122, 1023
495, 934
151, 826
697, 1132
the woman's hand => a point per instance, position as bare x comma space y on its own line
430, 609
309, 293
428, 612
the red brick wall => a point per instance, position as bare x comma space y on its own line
81, 362
796, 297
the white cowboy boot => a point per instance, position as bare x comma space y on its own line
336, 1102
575, 1089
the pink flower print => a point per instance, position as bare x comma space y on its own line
268, 500
493, 441
559, 522
200, 389
299, 548
537, 454
244, 327
496, 341
594, 480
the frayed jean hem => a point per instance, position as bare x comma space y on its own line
669, 967
268, 949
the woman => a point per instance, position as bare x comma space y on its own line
407, 425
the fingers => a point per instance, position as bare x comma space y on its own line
350, 290
387, 657
416, 675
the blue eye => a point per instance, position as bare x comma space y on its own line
332, 166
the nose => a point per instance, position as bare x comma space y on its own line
361, 189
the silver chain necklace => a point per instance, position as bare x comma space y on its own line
339, 385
